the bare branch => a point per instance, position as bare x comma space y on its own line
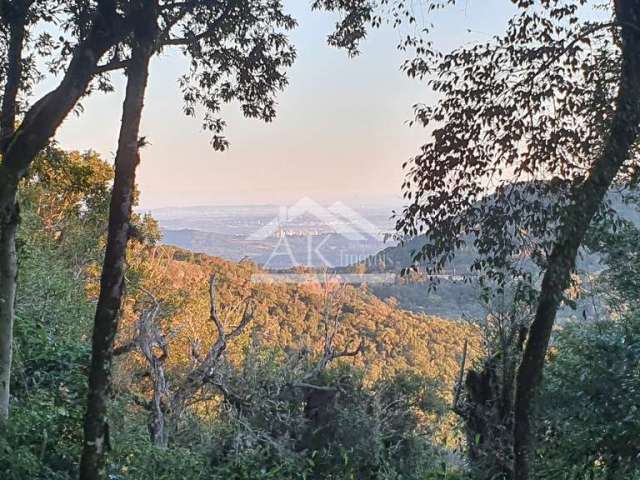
310, 386
329, 354
126, 348
213, 309
146, 331
247, 317
205, 370
350, 353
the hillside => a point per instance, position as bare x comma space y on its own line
292, 316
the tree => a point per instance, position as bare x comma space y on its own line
238, 51
554, 103
589, 415
98, 28
154, 344
205, 379
91, 31
144, 15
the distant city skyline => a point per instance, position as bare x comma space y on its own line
341, 132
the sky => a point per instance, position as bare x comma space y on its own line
341, 133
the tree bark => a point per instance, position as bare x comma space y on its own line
20, 146
157, 424
8, 274
107, 315
622, 135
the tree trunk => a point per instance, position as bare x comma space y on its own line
622, 134
9, 211
489, 438
96, 439
14, 75
157, 424
8, 273
19, 148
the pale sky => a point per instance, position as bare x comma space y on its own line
340, 133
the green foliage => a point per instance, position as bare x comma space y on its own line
65, 202
260, 463
589, 407
616, 240
43, 437
589, 414
141, 461
63, 207
49, 383
340, 427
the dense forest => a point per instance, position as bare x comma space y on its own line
121, 357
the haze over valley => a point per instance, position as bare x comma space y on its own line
314, 240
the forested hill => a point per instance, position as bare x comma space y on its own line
292, 316
454, 298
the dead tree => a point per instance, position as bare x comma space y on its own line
154, 346
329, 353
204, 372
320, 401
171, 400
295, 408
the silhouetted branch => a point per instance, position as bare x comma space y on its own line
111, 66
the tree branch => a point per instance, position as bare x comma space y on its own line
203, 372
111, 66
329, 353
213, 27
45, 116
578, 38
16, 18
311, 386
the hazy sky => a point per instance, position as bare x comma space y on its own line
340, 134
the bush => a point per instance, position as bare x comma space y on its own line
142, 461
43, 438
